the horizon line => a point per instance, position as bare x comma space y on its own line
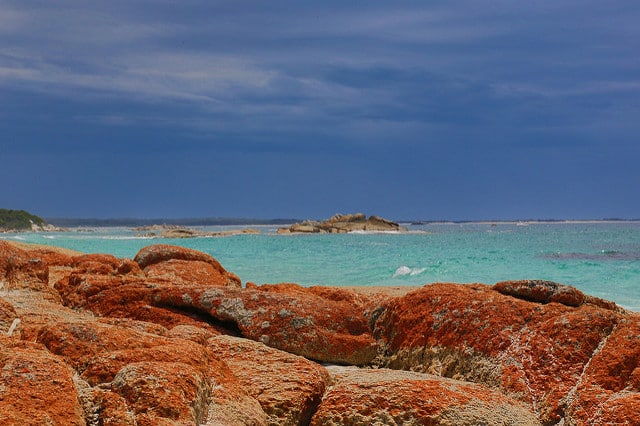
281, 220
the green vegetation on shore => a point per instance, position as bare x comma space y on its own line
18, 219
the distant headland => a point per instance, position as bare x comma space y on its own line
21, 220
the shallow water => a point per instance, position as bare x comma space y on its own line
601, 259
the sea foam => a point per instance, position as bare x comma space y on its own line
405, 270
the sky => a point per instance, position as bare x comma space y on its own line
433, 110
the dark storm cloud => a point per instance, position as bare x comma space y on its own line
465, 89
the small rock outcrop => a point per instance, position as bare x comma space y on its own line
174, 232
171, 338
340, 224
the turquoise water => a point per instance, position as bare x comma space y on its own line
601, 259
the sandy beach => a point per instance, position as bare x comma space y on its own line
31, 246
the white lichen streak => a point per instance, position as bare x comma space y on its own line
519, 347
569, 398
14, 325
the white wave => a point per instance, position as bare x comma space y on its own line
49, 237
362, 232
410, 232
18, 238
405, 270
114, 237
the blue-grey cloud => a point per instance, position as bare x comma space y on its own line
411, 92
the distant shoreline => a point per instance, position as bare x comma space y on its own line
135, 222
523, 222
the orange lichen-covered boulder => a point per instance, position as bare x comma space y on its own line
168, 390
104, 367
21, 268
541, 291
124, 296
326, 325
183, 265
187, 272
391, 397
287, 317
321, 324
98, 350
531, 351
105, 264
36, 387
288, 387
609, 390
143, 367
28, 257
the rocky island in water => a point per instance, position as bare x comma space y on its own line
340, 224
173, 338
176, 231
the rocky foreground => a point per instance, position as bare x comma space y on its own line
171, 338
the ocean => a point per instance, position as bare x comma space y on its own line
600, 258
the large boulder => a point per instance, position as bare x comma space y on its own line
177, 264
609, 390
288, 387
36, 387
533, 352
131, 366
98, 350
319, 324
391, 397
105, 264
120, 288
286, 317
164, 390
28, 267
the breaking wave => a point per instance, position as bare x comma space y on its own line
123, 238
405, 270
